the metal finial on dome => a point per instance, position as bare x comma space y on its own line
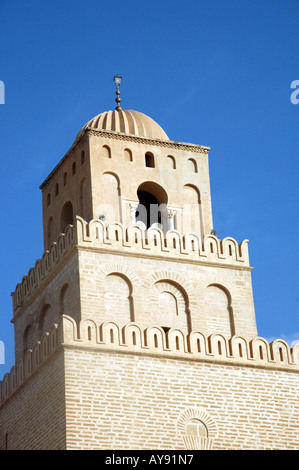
117, 81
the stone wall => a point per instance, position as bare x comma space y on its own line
100, 386
123, 401
33, 416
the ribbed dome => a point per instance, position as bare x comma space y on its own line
127, 122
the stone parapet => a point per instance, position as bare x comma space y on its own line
152, 341
132, 240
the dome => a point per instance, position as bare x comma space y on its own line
127, 122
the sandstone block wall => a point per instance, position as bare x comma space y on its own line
33, 417
100, 386
124, 401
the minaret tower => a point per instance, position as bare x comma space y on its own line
136, 329
141, 205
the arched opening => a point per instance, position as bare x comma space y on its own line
110, 206
48, 199
118, 298
64, 299
220, 313
45, 320
149, 160
171, 162
128, 156
106, 151
50, 231
151, 209
82, 197
170, 305
192, 165
28, 338
192, 213
66, 216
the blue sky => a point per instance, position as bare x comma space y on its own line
210, 72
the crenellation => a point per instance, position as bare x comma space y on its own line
152, 241
152, 340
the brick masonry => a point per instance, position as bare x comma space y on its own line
128, 338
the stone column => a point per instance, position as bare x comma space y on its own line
133, 207
171, 215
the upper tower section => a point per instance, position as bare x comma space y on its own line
122, 167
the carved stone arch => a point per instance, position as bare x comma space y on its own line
66, 216
221, 281
169, 305
280, 351
222, 287
110, 268
110, 333
88, 331
197, 429
29, 333
176, 278
178, 282
119, 283
128, 155
112, 173
192, 217
118, 299
155, 337
106, 151
62, 298
132, 335
110, 206
223, 320
44, 319
83, 197
192, 165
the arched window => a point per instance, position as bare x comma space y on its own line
64, 299
82, 197
219, 315
110, 205
45, 320
28, 338
192, 212
192, 165
74, 168
106, 151
169, 305
128, 156
82, 157
48, 199
56, 189
171, 161
149, 160
118, 298
152, 208
66, 216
